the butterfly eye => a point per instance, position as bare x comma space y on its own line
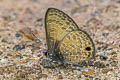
88, 48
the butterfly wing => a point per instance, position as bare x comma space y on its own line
57, 25
77, 46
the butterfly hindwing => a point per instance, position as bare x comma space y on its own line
57, 25
77, 46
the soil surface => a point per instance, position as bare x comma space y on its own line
21, 52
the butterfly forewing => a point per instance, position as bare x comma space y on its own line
57, 24
76, 46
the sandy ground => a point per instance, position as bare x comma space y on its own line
20, 55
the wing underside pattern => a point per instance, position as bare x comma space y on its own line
64, 38
74, 46
57, 25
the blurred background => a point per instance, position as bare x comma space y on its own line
20, 19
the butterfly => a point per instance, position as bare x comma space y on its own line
65, 41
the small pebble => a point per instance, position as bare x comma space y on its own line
116, 13
99, 64
99, 53
103, 57
37, 40
114, 63
106, 70
105, 34
4, 59
18, 47
17, 35
86, 69
113, 53
97, 79
4, 40
99, 48
43, 75
29, 63
90, 72
107, 64
60, 76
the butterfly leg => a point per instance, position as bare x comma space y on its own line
82, 64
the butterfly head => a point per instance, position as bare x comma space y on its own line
53, 59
